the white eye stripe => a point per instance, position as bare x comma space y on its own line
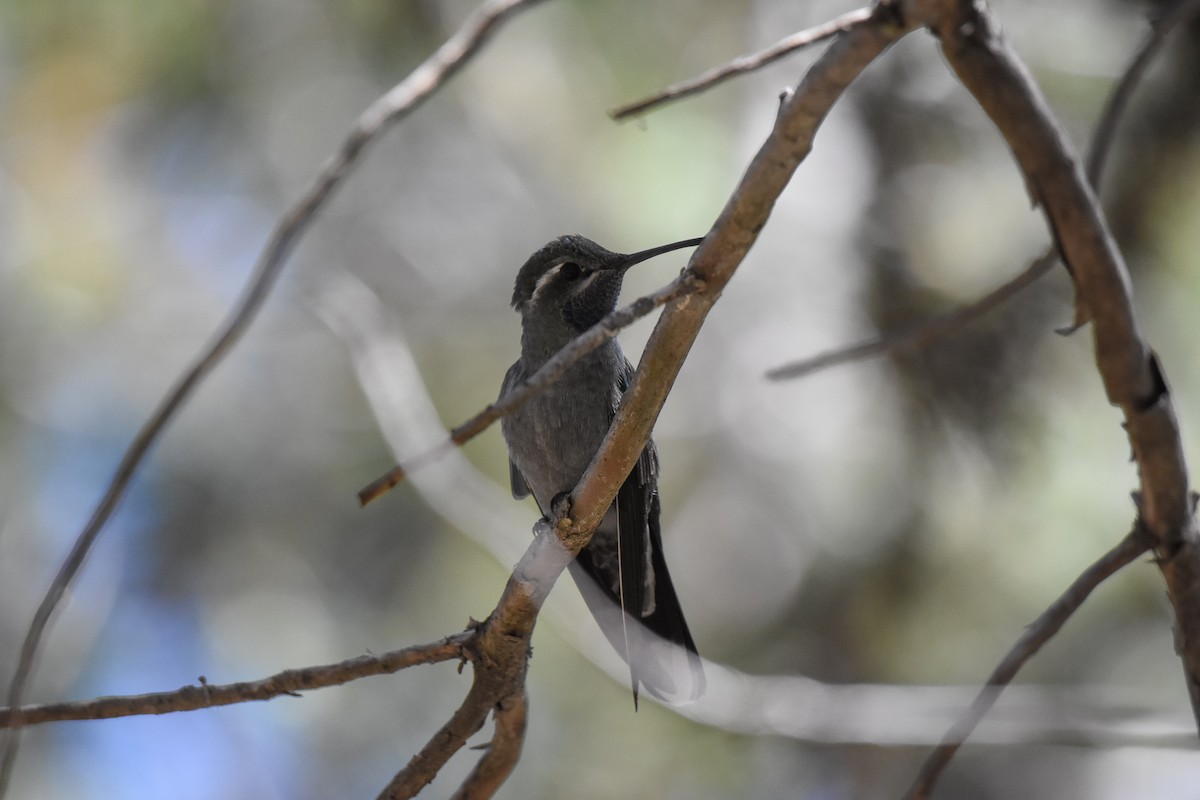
549, 275
585, 283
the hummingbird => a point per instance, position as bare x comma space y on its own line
562, 290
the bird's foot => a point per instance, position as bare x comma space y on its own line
560, 506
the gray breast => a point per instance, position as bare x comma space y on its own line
552, 438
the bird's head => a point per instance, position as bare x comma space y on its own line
574, 280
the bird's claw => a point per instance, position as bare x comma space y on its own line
560, 506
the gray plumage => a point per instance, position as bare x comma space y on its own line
563, 289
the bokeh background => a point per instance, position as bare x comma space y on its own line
895, 521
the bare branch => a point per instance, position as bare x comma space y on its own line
561, 538
928, 333
715, 261
1036, 635
499, 647
744, 64
425, 765
504, 637
779, 705
398, 101
547, 374
501, 658
791, 706
1160, 27
288, 682
501, 754
925, 334
1133, 380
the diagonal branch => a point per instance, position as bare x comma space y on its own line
927, 333
1132, 376
715, 261
775, 705
501, 754
1160, 27
450, 738
744, 64
505, 635
548, 373
388, 109
1037, 634
924, 334
501, 657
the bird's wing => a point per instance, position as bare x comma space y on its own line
513, 378
519, 489
666, 661
634, 500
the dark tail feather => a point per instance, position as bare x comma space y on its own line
661, 652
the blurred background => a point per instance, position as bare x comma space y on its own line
896, 521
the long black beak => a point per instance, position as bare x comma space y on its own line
625, 262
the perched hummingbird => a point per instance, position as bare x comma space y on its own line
562, 290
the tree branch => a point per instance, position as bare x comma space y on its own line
1036, 635
1132, 377
425, 765
1160, 27
505, 635
502, 754
547, 374
744, 64
388, 109
288, 682
791, 706
499, 647
715, 261
924, 334
927, 333
503, 639
501, 655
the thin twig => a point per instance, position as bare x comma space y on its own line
744, 64
925, 334
718, 257
548, 373
1160, 27
1036, 635
1133, 378
398, 101
928, 333
206, 695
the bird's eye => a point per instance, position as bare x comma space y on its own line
570, 271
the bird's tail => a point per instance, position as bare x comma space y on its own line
658, 646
